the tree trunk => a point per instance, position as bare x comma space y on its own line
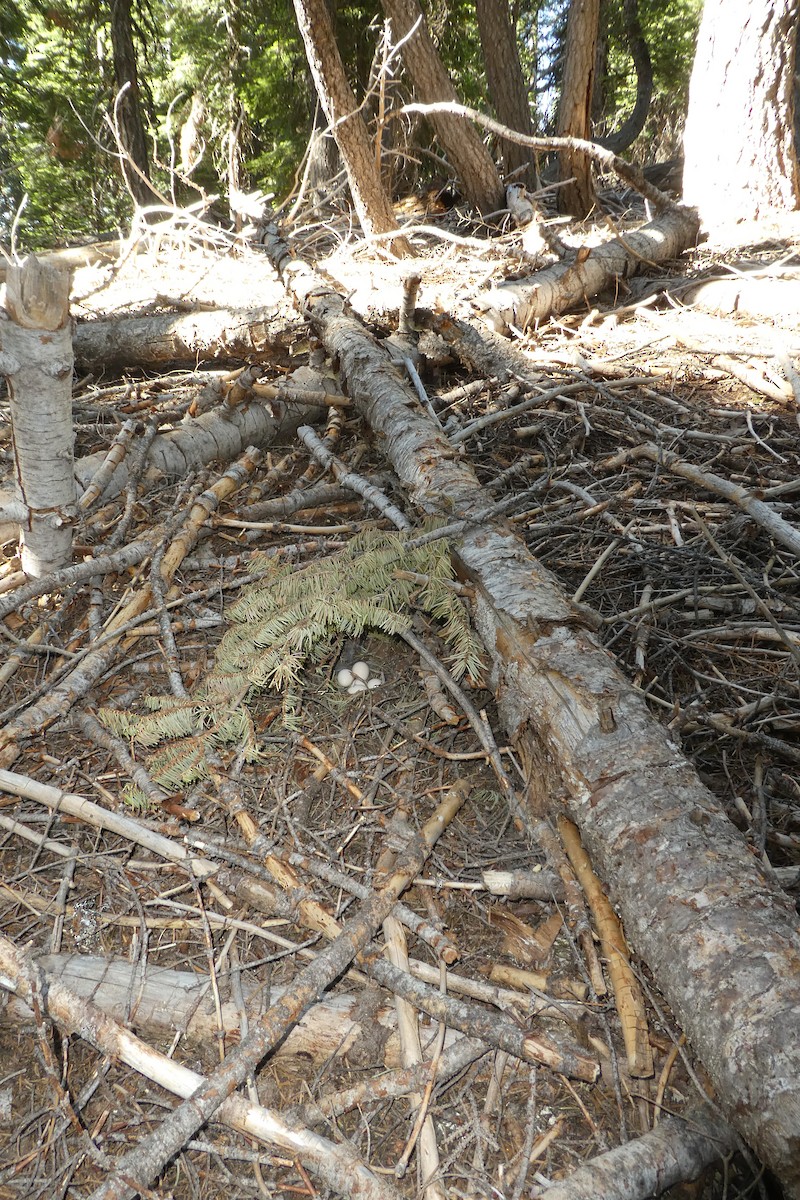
739, 143
507, 90
522, 302
191, 339
676, 1151
168, 1000
720, 937
575, 106
36, 358
633, 125
324, 160
136, 166
337, 99
462, 143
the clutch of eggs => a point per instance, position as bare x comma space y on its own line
356, 679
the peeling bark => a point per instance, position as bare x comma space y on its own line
162, 1001
217, 436
36, 359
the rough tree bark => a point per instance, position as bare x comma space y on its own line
188, 339
336, 97
507, 90
136, 168
720, 937
469, 157
739, 145
575, 106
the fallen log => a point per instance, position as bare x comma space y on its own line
760, 295
216, 436
220, 435
676, 1151
95, 254
720, 938
159, 1002
567, 284
590, 269
186, 339
336, 1164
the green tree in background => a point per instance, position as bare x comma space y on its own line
670, 31
56, 85
226, 99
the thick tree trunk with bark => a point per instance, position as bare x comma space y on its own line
633, 125
189, 339
336, 97
575, 106
468, 156
507, 90
740, 156
131, 123
720, 937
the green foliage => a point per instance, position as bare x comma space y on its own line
57, 79
287, 617
247, 64
670, 30
286, 620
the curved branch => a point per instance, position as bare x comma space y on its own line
633, 125
606, 159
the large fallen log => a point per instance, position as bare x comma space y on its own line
160, 1001
563, 286
588, 270
186, 339
720, 938
219, 435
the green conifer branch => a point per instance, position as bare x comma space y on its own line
287, 618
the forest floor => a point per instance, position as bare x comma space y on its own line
700, 606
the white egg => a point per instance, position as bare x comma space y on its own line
374, 683
358, 685
344, 677
361, 671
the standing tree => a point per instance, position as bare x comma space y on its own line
507, 90
575, 105
462, 143
135, 163
633, 124
337, 99
739, 145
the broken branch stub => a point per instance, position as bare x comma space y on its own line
36, 358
